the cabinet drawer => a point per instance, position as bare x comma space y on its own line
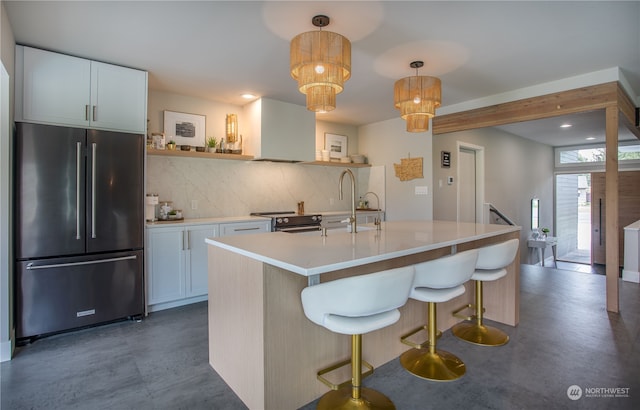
241, 228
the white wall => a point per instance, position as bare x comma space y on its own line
7, 46
234, 188
516, 170
385, 143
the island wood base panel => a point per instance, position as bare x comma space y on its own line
268, 352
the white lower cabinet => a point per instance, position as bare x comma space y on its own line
177, 265
240, 228
177, 260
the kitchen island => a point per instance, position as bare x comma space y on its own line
262, 344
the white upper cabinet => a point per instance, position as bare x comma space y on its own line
118, 98
57, 89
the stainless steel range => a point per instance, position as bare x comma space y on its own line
291, 222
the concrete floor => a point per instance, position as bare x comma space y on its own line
565, 337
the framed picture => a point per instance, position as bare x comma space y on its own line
184, 129
446, 159
336, 145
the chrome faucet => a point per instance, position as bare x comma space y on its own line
378, 220
352, 218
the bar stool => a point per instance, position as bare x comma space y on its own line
355, 306
491, 265
437, 281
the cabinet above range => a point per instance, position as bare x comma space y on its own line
58, 89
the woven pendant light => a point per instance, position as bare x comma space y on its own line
321, 63
417, 98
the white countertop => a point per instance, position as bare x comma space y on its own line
311, 254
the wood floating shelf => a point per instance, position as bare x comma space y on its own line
196, 154
337, 164
240, 157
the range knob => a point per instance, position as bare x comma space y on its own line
286, 220
279, 220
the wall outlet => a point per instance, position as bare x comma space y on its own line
194, 204
449, 180
422, 190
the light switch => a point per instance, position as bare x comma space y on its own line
422, 190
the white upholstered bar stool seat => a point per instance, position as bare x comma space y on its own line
355, 306
491, 266
437, 281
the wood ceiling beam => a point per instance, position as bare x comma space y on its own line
628, 112
545, 106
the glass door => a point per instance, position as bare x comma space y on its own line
573, 217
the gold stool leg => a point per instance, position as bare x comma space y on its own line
431, 363
355, 396
477, 332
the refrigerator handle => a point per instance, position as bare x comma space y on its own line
93, 190
78, 163
31, 266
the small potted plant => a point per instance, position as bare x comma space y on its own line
171, 145
545, 232
211, 144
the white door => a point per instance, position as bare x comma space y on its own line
118, 98
166, 259
467, 201
197, 271
56, 88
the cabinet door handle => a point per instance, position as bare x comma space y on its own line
86, 112
246, 229
95, 113
187, 235
600, 220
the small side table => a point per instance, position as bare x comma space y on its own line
541, 245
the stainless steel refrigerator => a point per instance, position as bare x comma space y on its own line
79, 227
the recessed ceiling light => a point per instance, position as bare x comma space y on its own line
590, 138
566, 126
248, 96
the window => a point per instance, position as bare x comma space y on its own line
595, 154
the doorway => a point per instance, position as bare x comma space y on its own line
470, 183
573, 217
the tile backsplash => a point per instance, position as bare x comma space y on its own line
220, 188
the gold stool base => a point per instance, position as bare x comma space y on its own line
439, 366
480, 334
341, 400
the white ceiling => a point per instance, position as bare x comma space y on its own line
220, 49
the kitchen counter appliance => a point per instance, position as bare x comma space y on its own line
291, 222
79, 227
